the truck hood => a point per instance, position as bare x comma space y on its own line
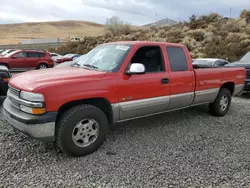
31, 80
239, 64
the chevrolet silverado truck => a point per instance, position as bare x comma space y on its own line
114, 82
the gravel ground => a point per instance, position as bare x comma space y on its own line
187, 148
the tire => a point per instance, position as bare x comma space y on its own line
72, 129
43, 66
222, 103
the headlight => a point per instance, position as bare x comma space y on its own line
29, 96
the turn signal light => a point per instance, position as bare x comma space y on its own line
35, 111
38, 111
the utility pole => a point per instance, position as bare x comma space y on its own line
230, 12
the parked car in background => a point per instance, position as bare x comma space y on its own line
70, 55
114, 82
63, 59
244, 62
70, 63
21, 60
55, 56
5, 76
6, 52
67, 57
210, 62
76, 56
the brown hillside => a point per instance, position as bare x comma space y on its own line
205, 36
14, 33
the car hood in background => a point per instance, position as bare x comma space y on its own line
239, 64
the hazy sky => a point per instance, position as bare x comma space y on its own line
137, 12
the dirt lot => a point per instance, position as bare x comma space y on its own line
187, 148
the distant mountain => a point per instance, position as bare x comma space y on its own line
163, 22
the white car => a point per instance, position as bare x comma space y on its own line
55, 56
214, 62
5, 52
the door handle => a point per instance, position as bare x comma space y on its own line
165, 81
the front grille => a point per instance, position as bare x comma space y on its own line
14, 91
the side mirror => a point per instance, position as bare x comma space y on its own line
136, 68
14, 57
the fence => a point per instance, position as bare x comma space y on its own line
38, 46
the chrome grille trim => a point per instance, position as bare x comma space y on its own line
14, 91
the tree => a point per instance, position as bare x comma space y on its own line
116, 26
245, 14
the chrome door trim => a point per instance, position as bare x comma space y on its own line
143, 103
205, 96
181, 100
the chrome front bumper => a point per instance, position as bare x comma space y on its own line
37, 127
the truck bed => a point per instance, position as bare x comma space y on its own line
207, 78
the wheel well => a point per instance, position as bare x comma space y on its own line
100, 103
230, 86
5, 64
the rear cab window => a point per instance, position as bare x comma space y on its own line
177, 58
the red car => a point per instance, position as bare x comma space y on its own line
27, 59
63, 59
114, 82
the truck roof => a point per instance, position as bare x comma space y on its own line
146, 43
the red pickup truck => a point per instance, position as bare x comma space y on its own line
115, 82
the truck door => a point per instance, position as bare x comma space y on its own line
144, 94
182, 78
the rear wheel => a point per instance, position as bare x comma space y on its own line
81, 130
43, 66
222, 103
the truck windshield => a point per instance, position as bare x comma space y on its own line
106, 57
246, 58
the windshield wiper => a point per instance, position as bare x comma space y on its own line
90, 66
75, 64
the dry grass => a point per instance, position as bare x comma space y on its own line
14, 33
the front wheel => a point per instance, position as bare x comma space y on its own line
81, 130
222, 103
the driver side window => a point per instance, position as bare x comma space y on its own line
20, 55
151, 57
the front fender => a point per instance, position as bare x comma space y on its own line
53, 104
